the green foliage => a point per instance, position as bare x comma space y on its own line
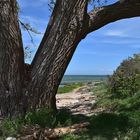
69, 88
130, 103
10, 127
109, 121
104, 126
70, 137
63, 118
109, 125
123, 122
126, 79
121, 96
43, 117
99, 89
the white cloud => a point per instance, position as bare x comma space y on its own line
115, 33
99, 53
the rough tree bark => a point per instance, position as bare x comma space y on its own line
68, 25
11, 60
63, 34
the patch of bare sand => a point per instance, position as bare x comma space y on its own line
79, 101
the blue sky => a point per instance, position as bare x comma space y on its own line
99, 53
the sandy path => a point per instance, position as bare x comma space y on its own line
79, 101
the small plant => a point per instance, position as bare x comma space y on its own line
10, 127
43, 117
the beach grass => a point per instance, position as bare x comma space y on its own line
69, 88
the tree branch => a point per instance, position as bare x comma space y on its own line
99, 17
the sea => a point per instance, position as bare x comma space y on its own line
68, 79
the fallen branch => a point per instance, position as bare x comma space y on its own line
37, 133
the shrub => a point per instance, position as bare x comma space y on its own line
125, 81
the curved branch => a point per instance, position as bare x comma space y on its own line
99, 17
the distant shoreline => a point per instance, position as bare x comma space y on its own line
69, 79
87, 75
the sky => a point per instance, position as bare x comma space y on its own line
100, 53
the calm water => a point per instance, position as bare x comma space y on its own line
82, 78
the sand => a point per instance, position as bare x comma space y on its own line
79, 101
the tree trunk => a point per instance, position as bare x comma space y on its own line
62, 36
69, 23
11, 60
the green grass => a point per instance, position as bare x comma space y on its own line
104, 126
122, 123
99, 89
127, 109
10, 127
69, 88
106, 100
43, 117
109, 126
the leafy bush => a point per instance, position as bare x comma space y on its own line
121, 97
125, 81
130, 103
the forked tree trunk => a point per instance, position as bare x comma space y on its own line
62, 36
11, 60
69, 23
